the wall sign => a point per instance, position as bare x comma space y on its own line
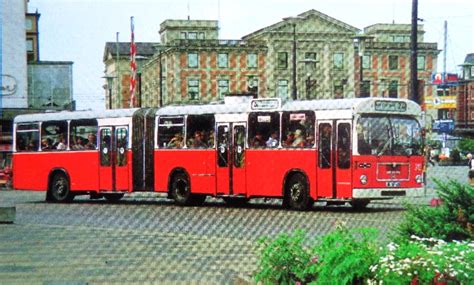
9, 85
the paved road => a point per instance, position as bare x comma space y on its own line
147, 239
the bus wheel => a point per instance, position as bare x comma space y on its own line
59, 189
113, 197
181, 190
297, 193
359, 204
235, 201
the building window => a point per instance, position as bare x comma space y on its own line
193, 60
393, 89
420, 63
472, 71
393, 62
183, 35
252, 85
193, 89
192, 35
282, 60
252, 60
223, 88
201, 36
365, 89
310, 61
338, 91
338, 60
366, 62
222, 60
282, 89
29, 45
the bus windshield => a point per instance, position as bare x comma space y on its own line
388, 135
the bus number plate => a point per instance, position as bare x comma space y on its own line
393, 184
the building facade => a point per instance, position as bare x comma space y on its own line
311, 56
465, 99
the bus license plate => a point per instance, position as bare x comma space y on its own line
393, 184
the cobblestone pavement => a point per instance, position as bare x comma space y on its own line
147, 239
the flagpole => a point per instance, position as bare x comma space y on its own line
133, 65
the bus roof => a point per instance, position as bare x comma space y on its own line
74, 115
358, 105
203, 109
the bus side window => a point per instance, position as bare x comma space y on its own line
298, 129
171, 132
264, 130
54, 133
105, 147
83, 135
27, 137
200, 131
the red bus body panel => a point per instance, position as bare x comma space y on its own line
200, 165
81, 167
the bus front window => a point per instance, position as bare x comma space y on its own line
388, 135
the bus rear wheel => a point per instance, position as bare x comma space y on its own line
181, 189
297, 193
59, 190
115, 197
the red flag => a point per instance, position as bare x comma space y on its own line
133, 65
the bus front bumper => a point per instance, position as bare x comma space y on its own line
387, 193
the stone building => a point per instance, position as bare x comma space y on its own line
465, 101
310, 56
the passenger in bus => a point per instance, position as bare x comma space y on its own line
62, 143
310, 141
198, 141
78, 143
210, 140
299, 140
272, 140
290, 137
45, 144
258, 140
176, 141
91, 141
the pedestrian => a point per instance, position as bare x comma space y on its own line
470, 164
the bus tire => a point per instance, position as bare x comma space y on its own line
115, 197
360, 204
181, 189
59, 190
297, 193
235, 201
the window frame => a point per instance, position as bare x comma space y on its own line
282, 60
193, 60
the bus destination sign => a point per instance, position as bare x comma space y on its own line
390, 106
265, 104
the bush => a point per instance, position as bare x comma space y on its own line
452, 220
284, 260
466, 145
455, 155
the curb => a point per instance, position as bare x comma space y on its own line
7, 215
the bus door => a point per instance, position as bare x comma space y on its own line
113, 169
230, 171
325, 171
343, 159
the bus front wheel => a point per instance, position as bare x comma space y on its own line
297, 193
59, 190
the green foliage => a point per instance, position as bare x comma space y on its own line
345, 256
455, 155
466, 145
425, 259
283, 260
450, 221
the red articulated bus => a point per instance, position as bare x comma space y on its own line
338, 151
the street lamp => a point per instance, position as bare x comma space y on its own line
293, 23
110, 82
359, 43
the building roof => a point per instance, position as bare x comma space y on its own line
145, 49
303, 16
469, 58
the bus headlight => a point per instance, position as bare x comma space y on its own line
419, 179
363, 179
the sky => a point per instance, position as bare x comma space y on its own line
77, 30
